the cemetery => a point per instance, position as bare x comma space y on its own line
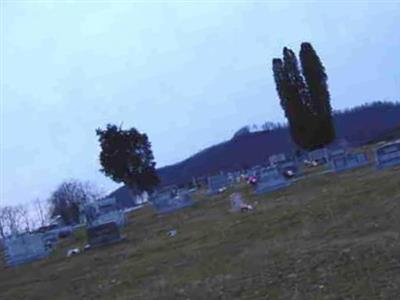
388, 155
196, 242
349, 161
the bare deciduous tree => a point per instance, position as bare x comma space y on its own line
40, 211
12, 219
67, 198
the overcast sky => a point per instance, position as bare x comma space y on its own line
188, 74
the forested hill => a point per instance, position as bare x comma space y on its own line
358, 126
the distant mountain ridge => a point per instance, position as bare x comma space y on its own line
358, 126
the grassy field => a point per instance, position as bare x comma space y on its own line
334, 236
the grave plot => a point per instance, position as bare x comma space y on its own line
388, 155
103, 234
270, 180
349, 161
25, 248
165, 203
218, 183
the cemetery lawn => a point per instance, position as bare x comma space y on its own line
334, 236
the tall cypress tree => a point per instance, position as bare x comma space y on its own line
307, 109
316, 79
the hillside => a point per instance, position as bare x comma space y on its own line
357, 126
326, 237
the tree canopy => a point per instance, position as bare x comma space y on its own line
126, 157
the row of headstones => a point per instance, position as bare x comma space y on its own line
386, 155
271, 178
102, 227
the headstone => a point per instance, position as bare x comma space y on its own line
25, 248
349, 161
336, 152
276, 159
103, 234
388, 155
103, 211
319, 155
166, 203
217, 183
236, 202
271, 179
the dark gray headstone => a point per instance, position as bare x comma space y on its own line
166, 203
349, 161
103, 234
271, 179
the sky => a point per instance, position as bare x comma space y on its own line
187, 73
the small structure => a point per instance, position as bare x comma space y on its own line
25, 248
166, 203
388, 155
271, 179
320, 156
349, 161
103, 234
218, 183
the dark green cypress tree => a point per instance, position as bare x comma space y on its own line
305, 102
316, 79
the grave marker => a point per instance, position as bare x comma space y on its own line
271, 179
319, 155
217, 183
388, 155
165, 203
349, 161
103, 211
103, 234
25, 248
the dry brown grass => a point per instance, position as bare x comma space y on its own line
336, 236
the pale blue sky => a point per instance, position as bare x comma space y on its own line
189, 74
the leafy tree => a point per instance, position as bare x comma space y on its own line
126, 157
